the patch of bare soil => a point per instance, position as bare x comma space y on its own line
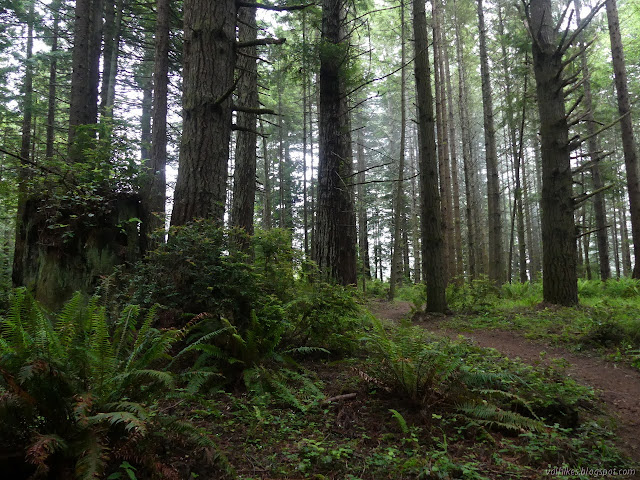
618, 385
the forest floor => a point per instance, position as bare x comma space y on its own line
618, 385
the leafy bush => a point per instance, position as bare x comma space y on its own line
78, 393
477, 296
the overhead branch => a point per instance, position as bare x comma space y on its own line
383, 181
592, 231
574, 106
274, 8
238, 128
590, 163
580, 51
370, 168
583, 197
261, 41
576, 143
564, 46
578, 118
255, 111
33, 164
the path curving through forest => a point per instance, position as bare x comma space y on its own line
618, 385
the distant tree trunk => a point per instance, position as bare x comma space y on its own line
496, 252
363, 233
471, 213
266, 213
528, 216
53, 75
415, 223
208, 77
335, 232
244, 180
558, 227
442, 144
614, 241
396, 259
112, 32
592, 143
624, 239
145, 82
626, 125
155, 191
20, 243
457, 224
433, 263
305, 100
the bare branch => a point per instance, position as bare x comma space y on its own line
261, 41
274, 8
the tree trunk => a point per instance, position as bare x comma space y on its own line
471, 213
626, 126
496, 253
396, 259
244, 180
624, 239
83, 107
558, 228
363, 233
594, 148
154, 200
266, 213
53, 74
208, 78
112, 32
433, 264
20, 243
335, 232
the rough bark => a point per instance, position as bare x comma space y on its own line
208, 81
433, 263
112, 32
266, 211
335, 237
244, 180
496, 253
558, 228
626, 126
85, 61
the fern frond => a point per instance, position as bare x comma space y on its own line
401, 421
492, 415
165, 378
129, 420
91, 461
41, 449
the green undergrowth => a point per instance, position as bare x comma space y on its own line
607, 319
419, 407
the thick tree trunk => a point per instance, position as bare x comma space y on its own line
208, 80
335, 237
433, 263
558, 227
83, 107
496, 253
244, 180
626, 125
415, 223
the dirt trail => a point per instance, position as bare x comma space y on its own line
619, 385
